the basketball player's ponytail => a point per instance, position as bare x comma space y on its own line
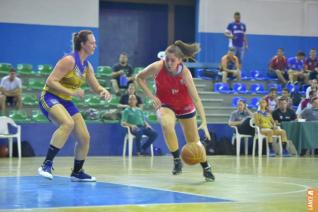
183, 50
78, 38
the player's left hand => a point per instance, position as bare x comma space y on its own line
104, 94
204, 127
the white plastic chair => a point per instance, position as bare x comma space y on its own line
260, 137
237, 136
4, 133
129, 139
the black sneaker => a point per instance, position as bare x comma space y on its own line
177, 169
207, 173
81, 176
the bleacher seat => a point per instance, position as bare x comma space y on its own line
35, 84
114, 101
44, 69
25, 69
278, 87
104, 71
245, 76
240, 88
38, 116
138, 69
222, 88
5, 67
292, 87
254, 102
236, 99
152, 117
93, 101
258, 88
29, 100
19, 116
257, 75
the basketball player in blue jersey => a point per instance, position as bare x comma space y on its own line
235, 31
56, 103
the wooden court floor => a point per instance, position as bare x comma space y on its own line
242, 184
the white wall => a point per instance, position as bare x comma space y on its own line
51, 12
269, 17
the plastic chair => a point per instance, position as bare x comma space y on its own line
254, 102
138, 69
257, 75
19, 115
128, 140
152, 117
25, 69
35, 84
44, 69
5, 67
29, 100
258, 88
104, 71
292, 87
236, 99
278, 87
238, 137
260, 138
38, 116
4, 133
240, 88
222, 88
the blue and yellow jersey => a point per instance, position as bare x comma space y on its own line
73, 80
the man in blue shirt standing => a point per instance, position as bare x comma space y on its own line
235, 31
296, 68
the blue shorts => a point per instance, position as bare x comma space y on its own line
48, 100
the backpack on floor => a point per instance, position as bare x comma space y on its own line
26, 149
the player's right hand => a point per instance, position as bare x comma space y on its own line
156, 102
79, 93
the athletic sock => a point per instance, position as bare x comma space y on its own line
51, 153
205, 165
78, 165
176, 154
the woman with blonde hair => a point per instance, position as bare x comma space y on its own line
264, 120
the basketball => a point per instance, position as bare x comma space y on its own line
193, 153
3, 151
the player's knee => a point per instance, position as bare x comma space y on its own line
68, 125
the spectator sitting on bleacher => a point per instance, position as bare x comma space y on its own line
283, 113
296, 68
134, 118
311, 114
313, 86
122, 72
230, 66
11, 87
264, 120
306, 103
278, 67
124, 99
286, 96
271, 99
311, 65
241, 118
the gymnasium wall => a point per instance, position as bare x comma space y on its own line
290, 24
39, 31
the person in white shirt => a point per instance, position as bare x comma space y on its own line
313, 85
11, 88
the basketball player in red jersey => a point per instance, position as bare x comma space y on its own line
176, 98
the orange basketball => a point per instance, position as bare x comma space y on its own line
193, 153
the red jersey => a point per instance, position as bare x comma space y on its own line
172, 92
279, 63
